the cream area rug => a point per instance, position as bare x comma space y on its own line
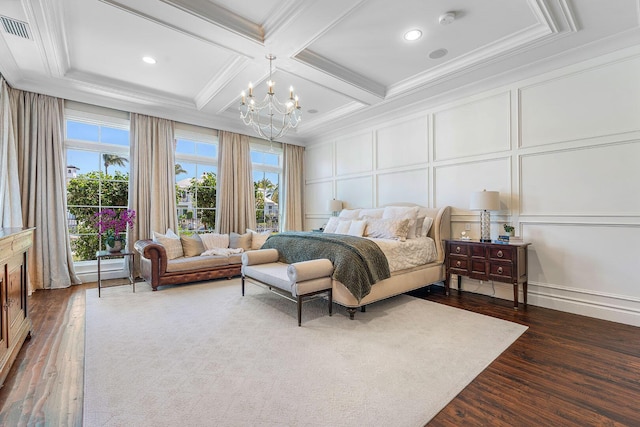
203, 355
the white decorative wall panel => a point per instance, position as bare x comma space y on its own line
593, 258
317, 198
356, 192
318, 161
478, 127
600, 180
410, 186
354, 154
597, 102
454, 184
403, 144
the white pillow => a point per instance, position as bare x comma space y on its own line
349, 214
357, 227
214, 240
401, 212
426, 226
172, 245
169, 233
331, 225
258, 239
372, 213
387, 228
343, 227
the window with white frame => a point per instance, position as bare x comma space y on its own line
266, 162
97, 165
196, 178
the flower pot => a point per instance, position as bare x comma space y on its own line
117, 246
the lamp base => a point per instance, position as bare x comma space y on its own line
485, 226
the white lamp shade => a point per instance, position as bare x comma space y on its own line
485, 201
335, 205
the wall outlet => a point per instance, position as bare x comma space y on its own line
467, 226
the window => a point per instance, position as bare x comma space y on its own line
196, 176
97, 157
267, 169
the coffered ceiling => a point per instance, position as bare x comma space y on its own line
346, 59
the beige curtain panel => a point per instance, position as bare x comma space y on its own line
293, 183
39, 129
10, 206
152, 188
235, 196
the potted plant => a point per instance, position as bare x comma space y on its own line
112, 227
509, 229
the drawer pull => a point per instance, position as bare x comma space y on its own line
499, 270
457, 249
499, 254
458, 264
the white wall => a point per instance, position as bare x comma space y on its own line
563, 150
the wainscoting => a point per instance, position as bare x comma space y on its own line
561, 148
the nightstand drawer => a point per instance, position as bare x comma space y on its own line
458, 263
459, 249
501, 271
505, 253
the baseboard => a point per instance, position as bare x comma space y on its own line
615, 308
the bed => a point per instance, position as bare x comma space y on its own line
406, 271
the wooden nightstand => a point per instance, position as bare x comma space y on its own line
500, 262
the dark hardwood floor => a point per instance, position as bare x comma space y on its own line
565, 369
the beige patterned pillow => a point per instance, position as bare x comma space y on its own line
258, 239
240, 241
172, 245
192, 245
388, 228
214, 240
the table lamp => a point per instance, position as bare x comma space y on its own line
485, 201
335, 206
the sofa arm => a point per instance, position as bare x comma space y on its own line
154, 252
308, 270
260, 256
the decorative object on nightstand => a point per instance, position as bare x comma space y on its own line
508, 229
485, 201
335, 206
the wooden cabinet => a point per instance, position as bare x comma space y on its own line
15, 324
488, 261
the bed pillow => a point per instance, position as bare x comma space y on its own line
343, 227
357, 228
258, 239
331, 225
372, 213
237, 241
349, 214
404, 212
426, 226
172, 245
214, 240
192, 245
415, 228
387, 228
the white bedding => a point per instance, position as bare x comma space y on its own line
408, 254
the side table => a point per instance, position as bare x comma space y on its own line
126, 255
500, 262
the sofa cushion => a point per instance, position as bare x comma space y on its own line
240, 241
196, 263
172, 245
215, 240
192, 245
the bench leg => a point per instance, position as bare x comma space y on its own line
330, 302
242, 285
299, 310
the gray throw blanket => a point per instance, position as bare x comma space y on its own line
358, 263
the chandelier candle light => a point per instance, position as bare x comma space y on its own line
270, 118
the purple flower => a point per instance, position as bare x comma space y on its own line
111, 223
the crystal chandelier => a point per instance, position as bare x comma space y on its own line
270, 118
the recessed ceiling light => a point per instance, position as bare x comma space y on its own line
412, 35
148, 60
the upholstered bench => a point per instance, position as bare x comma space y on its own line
300, 279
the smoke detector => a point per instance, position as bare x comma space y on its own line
447, 18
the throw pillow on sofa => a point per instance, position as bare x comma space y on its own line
258, 239
240, 241
214, 240
171, 242
192, 245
